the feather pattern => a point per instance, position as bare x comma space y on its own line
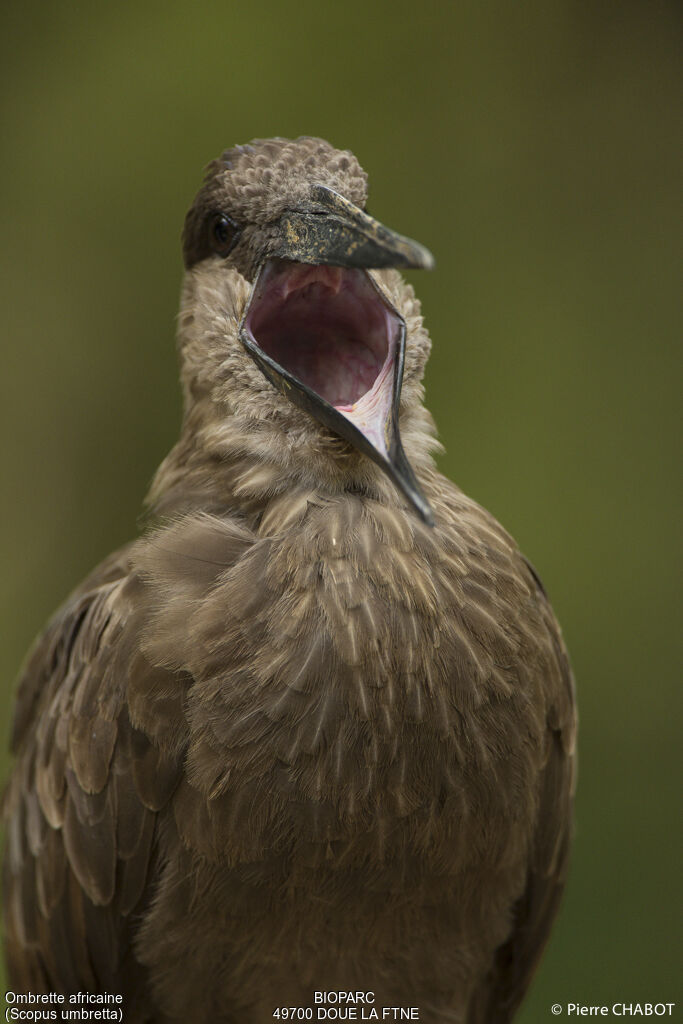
292, 737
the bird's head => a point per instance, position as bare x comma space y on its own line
292, 321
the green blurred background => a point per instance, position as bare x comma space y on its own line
535, 148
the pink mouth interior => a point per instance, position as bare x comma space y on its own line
329, 327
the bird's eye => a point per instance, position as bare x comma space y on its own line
223, 234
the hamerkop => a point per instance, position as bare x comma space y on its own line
314, 730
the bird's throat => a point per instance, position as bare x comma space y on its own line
330, 341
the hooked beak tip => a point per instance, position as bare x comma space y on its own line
423, 258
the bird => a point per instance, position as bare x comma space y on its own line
312, 733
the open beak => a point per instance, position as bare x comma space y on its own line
325, 336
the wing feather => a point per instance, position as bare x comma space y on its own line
80, 804
503, 989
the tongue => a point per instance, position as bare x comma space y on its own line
370, 414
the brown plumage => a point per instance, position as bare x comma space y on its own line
295, 737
